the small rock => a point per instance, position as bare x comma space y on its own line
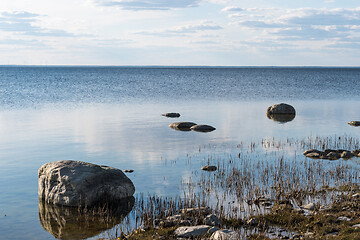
344, 219
333, 156
310, 206
354, 123
177, 217
213, 229
128, 170
225, 235
182, 126
171, 115
202, 128
209, 168
356, 195
194, 231
253, 222
311, 151
314, 155
356, 226
212, 220
347, 155
356, 153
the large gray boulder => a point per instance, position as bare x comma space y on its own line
281, 108
75, 183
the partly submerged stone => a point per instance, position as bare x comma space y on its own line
202, 128
354, 123
225, 235
281, 108
171, 115
182, 126
311, 151
209, 168
194, 231
75, 183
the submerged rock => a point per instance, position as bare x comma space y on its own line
171, 115
194, 231
281, 108
182, 126
354, 123
209, 168
75, 183
202, 128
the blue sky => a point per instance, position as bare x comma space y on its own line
180, 32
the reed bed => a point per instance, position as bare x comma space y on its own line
271, 170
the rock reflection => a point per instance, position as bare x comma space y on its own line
281, 118
79, 223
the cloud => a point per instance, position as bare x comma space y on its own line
232, 9
137, 5
23, 22
301, 24
183, 30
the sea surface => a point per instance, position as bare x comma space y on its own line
112, 116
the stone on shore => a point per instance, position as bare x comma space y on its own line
281, 108
225, 235
171, 115
194, 231
182, 126
202, 128
209, 168
310, 206
354, 123
75, 183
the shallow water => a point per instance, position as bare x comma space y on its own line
112, 116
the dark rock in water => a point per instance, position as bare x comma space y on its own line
281, 118
202, 128
209, 168
347, 155
314, 155
75, 183
332, 156
182, 126
356, 153
128, 170
77, 223
171, 115
354, 123
311, 151
281, 108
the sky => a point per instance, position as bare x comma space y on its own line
180, 32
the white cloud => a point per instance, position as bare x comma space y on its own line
148, 4
184, 29
25, 23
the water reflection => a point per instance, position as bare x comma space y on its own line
281, 118
74, 223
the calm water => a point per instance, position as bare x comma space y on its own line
112, 116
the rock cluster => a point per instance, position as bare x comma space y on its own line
75, 183
331, 154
